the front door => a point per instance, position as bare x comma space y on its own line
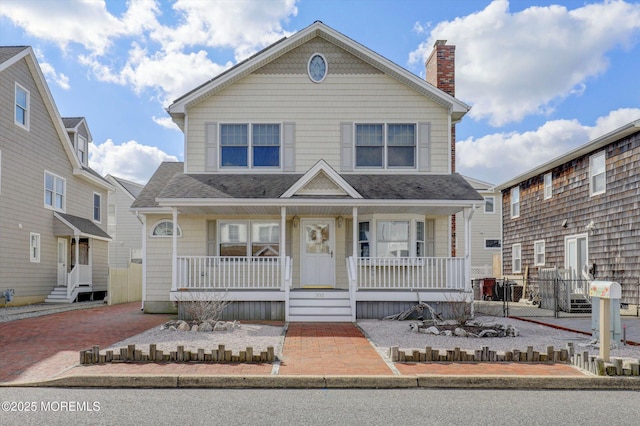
317, 257
62, 261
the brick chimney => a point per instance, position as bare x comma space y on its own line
441, 72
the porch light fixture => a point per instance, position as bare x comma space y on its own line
296, 221
340, 221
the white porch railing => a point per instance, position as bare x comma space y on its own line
80, 275
409, 273
232, 273
481, 271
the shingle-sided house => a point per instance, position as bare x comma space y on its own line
53, 239
125, 227
580, 213
317, 186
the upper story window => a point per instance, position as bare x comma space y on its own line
82, 150
597, 174
22, 107
515, 202
97, 205
54, 192
489, 204
385, 145
164, 228
548, 185
250, 145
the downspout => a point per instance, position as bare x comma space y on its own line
283, 263
143, 225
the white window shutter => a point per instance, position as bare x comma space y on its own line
424, 136
289, 147
346, 146
211, 148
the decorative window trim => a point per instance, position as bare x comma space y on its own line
54, 193
514, 201
26, 108
498, 247
493, 205
250, 146
326, 67
594, 174
99, 208
516, 258
34, 247
539, 253
548, 185
385, 146
163, 222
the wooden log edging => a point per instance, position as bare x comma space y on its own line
131, 354
585, 361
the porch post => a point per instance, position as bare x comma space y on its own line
77, 250
174, 257
355, 232
283, 245
467, 214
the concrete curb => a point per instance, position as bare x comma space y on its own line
341, 382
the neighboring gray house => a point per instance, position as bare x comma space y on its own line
486, 232
53, 214
318, 185
125, 227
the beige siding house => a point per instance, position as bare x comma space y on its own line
317, 186
53, 239
486, 232
125, 227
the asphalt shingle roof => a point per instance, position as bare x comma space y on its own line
8, 52
85, 226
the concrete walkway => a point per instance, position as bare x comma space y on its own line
44, 351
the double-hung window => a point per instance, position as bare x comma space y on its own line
515, 202
97, 205
34, 247
538, 252
385, 145
22, 107
242, 239
548, 185
597, 174
489, 204
82, 150
250, 145
54, 191
516, 258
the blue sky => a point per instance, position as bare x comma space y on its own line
542, 77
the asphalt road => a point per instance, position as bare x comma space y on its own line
38, 406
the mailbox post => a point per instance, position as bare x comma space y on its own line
605, 291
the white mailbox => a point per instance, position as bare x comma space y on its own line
605, 290
605, 321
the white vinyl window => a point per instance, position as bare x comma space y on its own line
250, 145
164, 229
489, 204
597, 174
22, 107
240, 239
385, 146
516, 258
34, 247
393, 238
515, 202
538, 253
54, 192
548, 185
97, 206
82, 149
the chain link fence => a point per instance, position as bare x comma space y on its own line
549, 295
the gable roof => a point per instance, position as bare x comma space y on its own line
178, 108
12, 54
81, 226
130, 188
73, 123
600, 142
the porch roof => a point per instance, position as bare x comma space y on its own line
262, 193
79, 226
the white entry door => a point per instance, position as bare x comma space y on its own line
317, 253
62, 262
576, 254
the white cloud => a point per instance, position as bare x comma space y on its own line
510, 65
131, 160
50, 73
166, 122
498, 157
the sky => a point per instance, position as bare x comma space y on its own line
541, 77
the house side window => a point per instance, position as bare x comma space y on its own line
515, 202
489, 205
252, 146
22, 107
364, 238
492, 243
597, 174
54, 192
538, 252
385, 146
241, 239
516, 258
164, 229
548, 185
97, 205
82, 150
34, 247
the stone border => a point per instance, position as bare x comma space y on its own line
131, 354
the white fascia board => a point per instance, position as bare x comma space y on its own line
151, 210
252, 202
93, 179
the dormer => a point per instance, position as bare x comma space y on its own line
79, 136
